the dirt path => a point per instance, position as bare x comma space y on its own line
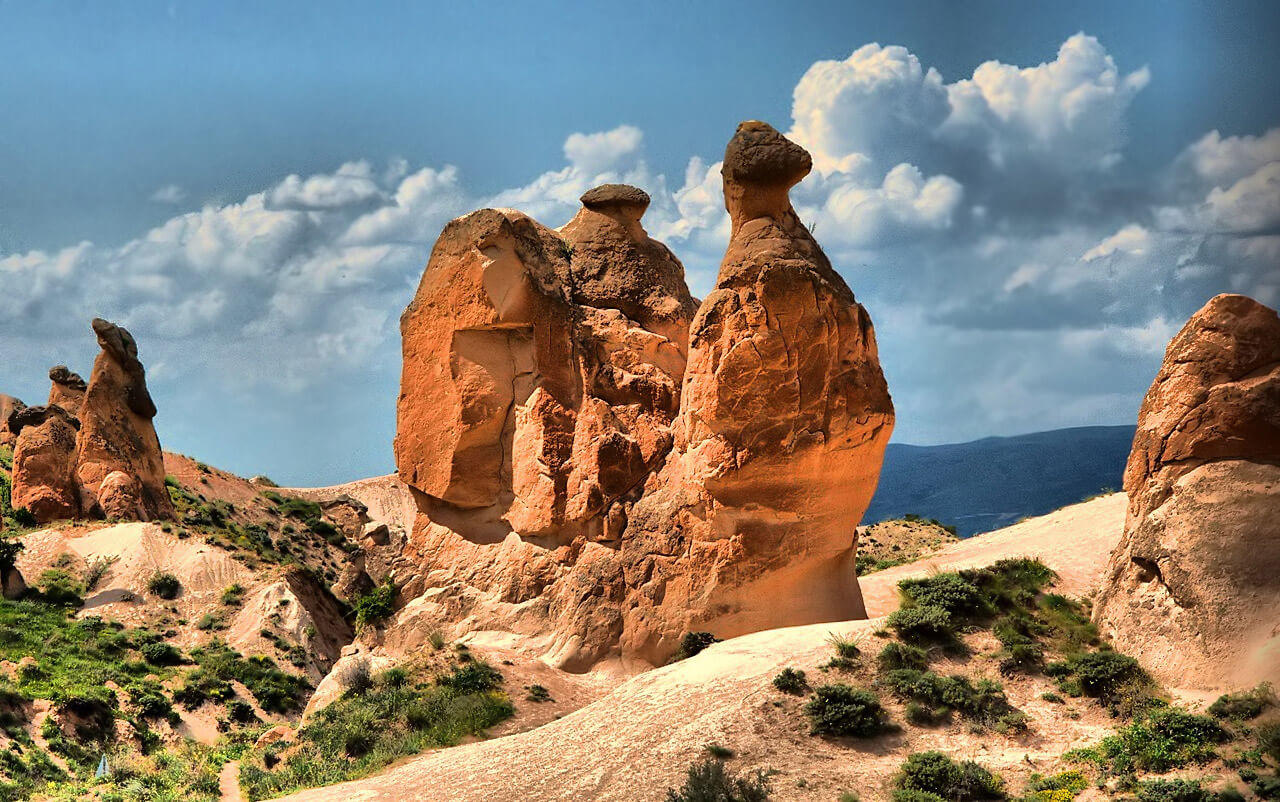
638, 740
229, 782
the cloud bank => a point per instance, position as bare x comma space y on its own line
977, 219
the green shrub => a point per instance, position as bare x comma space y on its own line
922, 624
1073, 781
476, 676
792, 681
897, 655
1264, 787
1243, 705
1116, 680
1269, 739
160, 654
949, 592
537, 693
935, 773
1173, 791
164, 585
984, 703
841, 710
376, 605
710, 781
912, 795
232, 594
692, 643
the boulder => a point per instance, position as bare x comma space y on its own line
43, 479
604, 464
8, 405
117, 434
1193, 589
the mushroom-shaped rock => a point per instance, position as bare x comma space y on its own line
117, 433
44, 479
785, 416
1193, 588
66, 389
616, 265
576, 478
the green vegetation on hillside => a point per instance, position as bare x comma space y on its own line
376, 721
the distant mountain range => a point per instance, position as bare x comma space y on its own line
992, 482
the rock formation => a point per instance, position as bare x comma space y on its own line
98, 455
1193, 589
66, 389
119, 463
598, 457
8, 405
44, 479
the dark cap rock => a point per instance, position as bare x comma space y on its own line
758, 154
613, 195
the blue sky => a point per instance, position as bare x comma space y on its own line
1026, 237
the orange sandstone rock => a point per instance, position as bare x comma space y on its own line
43, 463
8, 406
1193, 589
66, 389
117, 435
601, 461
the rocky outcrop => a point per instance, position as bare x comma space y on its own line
43, 480
66, 389
101, 460
8, 406
117, 436
1193, 589
603, 463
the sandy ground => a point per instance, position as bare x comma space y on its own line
637, 740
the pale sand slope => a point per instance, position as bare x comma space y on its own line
638, 740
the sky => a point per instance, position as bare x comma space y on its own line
1029, 199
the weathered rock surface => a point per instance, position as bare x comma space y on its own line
8, 405
602, 462
1193, 589
117, 435
66, 389
43, 477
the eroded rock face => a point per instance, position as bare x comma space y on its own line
1193, 589
66, 389
117, 435
604, 463
8, 406
44, 479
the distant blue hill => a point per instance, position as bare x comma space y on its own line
992, 482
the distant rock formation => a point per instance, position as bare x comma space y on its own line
66, 389
98, 456
1193, 589
118, 459
601, 460
44, 479
8, 405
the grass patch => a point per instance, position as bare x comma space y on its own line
363, 732
1161, 741
276, 691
